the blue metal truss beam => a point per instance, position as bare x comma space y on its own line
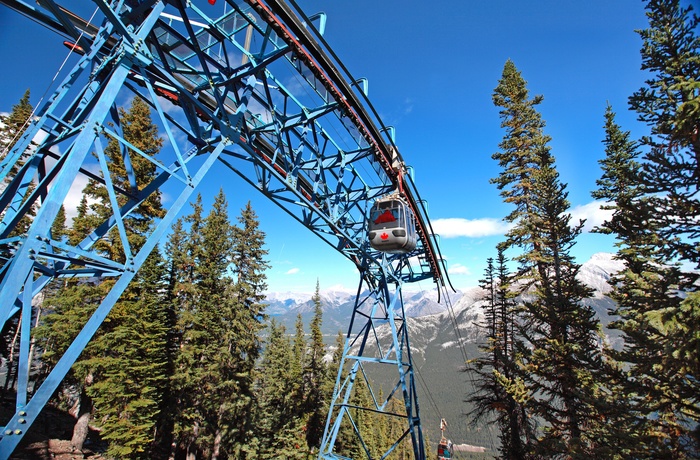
238, 115
367, 348
27, 413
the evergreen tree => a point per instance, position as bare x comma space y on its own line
12, 126
66, 313
101, 371
278, 426
177, 275
248, 310
183, 254
316, 376
205, 362
136, 321
332, 369
220, 315
562, 350
621, 191
298, 365
132, 366
357, 444
58, 228
653, 318
346, 441
500, 388
669, 104
655, 211
397, 426
139, 130
518, 157
66, 310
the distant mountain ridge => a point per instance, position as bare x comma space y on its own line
442, 339
337, 302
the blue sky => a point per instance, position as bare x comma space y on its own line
432, 68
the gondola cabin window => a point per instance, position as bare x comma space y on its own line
392, 226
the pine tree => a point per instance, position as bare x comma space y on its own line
278, 426
66, 313
100, 371
346, 441
205, 362
397, 426
220, 317
561, 333
518, 157
669, 104
176, 275
139, 130
655, 205
298, 364
135, 324
58, 228
248, 310
656, 323
564, 332
350, 443
332, 368
500, 388
619, 186
316, 400
132, 366
183, 255
12, 126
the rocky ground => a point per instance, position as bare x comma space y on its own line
49, 438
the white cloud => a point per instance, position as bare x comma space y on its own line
455, 227
292, 271
75, 194
458, 269
408, 106
592, 213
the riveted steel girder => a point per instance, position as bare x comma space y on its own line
246, 86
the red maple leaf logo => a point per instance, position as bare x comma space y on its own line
384, 236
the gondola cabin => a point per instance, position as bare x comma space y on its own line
444, 449
392, 226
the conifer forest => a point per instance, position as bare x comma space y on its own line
189, 365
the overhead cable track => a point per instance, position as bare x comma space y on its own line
354, 109
329, 75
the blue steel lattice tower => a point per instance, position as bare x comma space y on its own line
255, 90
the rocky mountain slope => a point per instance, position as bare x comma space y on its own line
444, 336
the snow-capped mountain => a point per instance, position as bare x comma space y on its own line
338, 303
444, 336
597, 271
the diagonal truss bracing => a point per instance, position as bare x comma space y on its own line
377, 355
246, 86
